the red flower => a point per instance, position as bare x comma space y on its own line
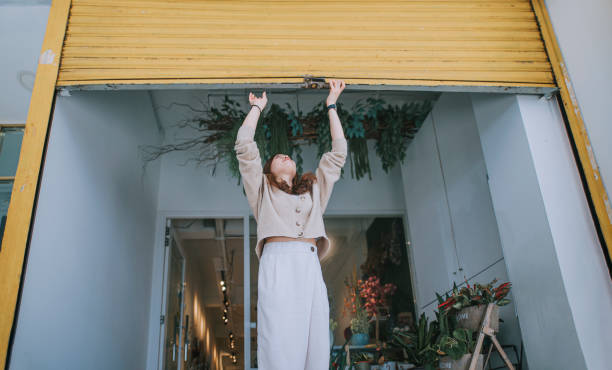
447, 302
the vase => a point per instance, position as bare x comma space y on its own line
360, 339
389, 365
463, 363
471, 317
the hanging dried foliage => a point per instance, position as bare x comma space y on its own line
285, 130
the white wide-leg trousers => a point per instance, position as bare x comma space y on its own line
292, 309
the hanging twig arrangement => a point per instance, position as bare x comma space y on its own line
285, 130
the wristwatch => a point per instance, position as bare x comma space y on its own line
331, 106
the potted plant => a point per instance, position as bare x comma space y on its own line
469, 303
375, 296
457, 350
360, 327
420, 347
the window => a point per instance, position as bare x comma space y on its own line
11, 136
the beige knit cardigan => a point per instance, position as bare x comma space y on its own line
281, 214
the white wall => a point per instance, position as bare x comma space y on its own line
583, 30
576, 244
561, 286
22, 29
454, 233
87, 284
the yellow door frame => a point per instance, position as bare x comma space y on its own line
595, 187
21, 207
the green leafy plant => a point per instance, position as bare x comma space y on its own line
421, 347
333, 324
358, 356
360, 322
458, 344
395, 127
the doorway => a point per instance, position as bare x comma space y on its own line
203, 315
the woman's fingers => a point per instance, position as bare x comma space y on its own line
337, 85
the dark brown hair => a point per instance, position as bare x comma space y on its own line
301, 183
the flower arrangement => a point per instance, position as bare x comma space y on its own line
354, 306
474, 295
374, 294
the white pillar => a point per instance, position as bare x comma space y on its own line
561, 286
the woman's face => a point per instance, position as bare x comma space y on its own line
282, 164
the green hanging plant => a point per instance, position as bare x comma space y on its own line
276, 120
297, 130
323, 135
391, 145
285, 130
299, 161
355, 132
397, 125
358, 158
229, 116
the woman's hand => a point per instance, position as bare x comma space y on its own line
260, 102
335, 88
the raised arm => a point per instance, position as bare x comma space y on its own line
247, 153
331, 163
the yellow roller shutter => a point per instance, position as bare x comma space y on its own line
392, 42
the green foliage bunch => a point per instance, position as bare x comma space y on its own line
421, 346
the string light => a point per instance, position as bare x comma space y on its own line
225, 317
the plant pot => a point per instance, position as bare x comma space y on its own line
363, 365
360, 339
471, 317
463, 363
405, 366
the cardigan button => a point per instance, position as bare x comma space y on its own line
300, 233
298, 210
297, 223
302, 197
312, 249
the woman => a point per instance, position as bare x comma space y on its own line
292, 303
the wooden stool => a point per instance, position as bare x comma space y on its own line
485, 329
